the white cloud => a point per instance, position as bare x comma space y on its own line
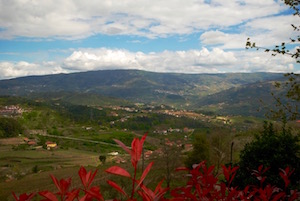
71, 19
257, 61
191, 61
224, 40
265, 32
22, 68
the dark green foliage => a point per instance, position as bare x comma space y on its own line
82, 113
274, 149
9, 127
20, 147
102, 158
200, 151
35, 169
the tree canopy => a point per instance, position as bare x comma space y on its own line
272, 149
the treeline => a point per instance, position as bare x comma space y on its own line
9, 127
80, 113
150, 121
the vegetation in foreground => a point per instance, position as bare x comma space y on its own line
201, 184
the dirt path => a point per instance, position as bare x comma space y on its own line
79, 139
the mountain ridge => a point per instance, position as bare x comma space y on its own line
175, 89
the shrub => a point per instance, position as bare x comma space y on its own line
272, 149
102, 158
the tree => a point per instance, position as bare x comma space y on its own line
220, 143
200, 151
286, 110
9, 127
170, 160
102, 158
272, 149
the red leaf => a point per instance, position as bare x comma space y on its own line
16, 198
158, 187
278, 196
226, 172
55, 181
86, 178
294, 195
50, 196
260, 168
117, 187
182, 168
144, 196
123, 146
95, 193
118, 171
143, 138
146, 171
148, 192
23, 197
82, 174
92, 178
72, 195
62, 186
83, 198
136, 149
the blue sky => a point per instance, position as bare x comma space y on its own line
191, 36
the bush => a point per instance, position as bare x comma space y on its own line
271, 149
102, 158
200, 151
9, 127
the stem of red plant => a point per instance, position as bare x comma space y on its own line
133, 183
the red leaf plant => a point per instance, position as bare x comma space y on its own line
135, 153
259, 174
86, 180
285, 175
62, 187
202, 185
65, 194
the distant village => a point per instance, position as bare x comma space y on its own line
11, 110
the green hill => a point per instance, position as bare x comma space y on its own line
248, 100
173, 89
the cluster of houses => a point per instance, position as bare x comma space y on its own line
33, 143
173, 130
11, 110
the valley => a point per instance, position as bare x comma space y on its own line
51, 126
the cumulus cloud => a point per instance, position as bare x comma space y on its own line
192, 61
256, 61
224, 40
205, 60
266, 32
22, 68
72, 19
